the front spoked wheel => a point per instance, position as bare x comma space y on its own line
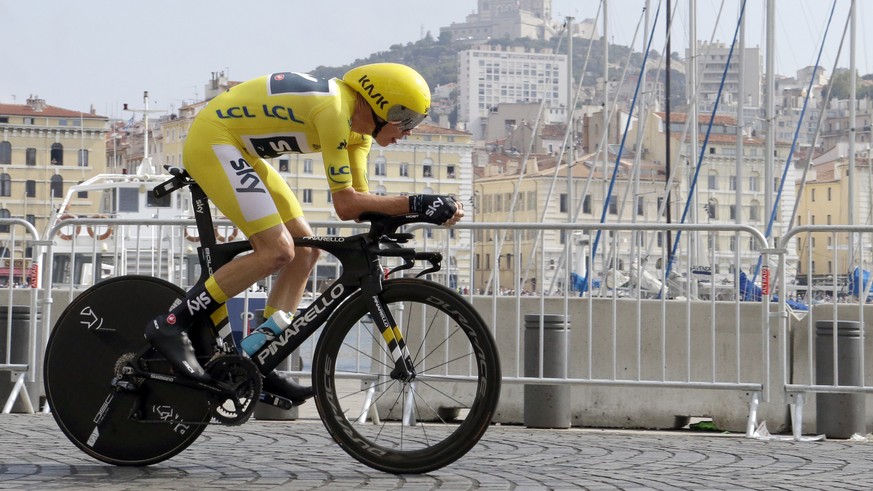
411, 426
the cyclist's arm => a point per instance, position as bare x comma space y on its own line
350, 204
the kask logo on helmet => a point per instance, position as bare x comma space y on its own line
368, 87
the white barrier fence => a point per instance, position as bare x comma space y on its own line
632, 350
20, 344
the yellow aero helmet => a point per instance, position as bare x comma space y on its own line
395, 92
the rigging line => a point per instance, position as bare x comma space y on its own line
564, 144
602, 145
671, 181
797, 129
643, 120
693, 183
524, 161
621, 146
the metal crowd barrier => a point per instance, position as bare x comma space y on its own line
835, 296
19, 330
631, 352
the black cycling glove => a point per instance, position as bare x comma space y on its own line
437, 208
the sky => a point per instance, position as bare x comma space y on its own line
104, 53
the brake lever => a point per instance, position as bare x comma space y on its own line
435, 258
407, 264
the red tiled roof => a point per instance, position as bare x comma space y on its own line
47, 111
701, 118
437, 130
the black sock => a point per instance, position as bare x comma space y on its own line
197, 302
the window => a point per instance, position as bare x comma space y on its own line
283, 165
57, 186
812, 194
149, 197
329, 196
532, 200
733, 243
307, 196
380, 166
710, 209
733, 183
450, 171
829, 194
753, 183
5, 152
427, 170
404, 169
613, 205
4, 213
829, 219
307, 166
712, 180
30, 156
5, 185
586, 204
57, 154
83, 158
733, 213
563, 203
30, 188
753, 212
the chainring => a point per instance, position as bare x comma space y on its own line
242, 376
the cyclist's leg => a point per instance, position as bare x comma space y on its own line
290, 284
237, 188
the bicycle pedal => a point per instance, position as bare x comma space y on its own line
278, 401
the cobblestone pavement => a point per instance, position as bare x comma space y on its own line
34, 454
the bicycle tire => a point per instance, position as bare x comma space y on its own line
101, 325
417, 427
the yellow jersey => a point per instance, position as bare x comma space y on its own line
292, 112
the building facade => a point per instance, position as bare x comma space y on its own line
490, 76
43, 151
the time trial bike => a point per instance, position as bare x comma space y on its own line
405, 372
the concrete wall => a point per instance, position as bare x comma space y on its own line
681, 347
686, 348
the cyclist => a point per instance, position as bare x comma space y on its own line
290, 113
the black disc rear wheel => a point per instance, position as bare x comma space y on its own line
408, 426
94, 337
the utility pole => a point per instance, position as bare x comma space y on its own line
146, 166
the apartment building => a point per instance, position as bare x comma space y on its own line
542, 195
491, 76
724, 192
711, 59
824, 200
43, 151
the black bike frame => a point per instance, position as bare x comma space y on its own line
362, 270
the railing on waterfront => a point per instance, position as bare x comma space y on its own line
633, 348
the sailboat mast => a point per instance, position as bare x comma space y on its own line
741, 98
570, 111
667, 156
770, 47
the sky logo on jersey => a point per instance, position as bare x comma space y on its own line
249, 180
369, 88
273, 146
